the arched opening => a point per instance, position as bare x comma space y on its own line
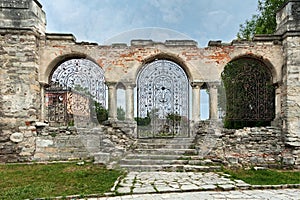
163, 100
250, 93
76, 89
121, 102
204, 102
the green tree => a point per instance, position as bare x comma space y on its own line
262, 23
143, 121
101, 112
120, 113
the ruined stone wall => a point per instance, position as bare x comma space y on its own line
19, 86
257, 146
22, 22
43, 143
28, 56
288, 19
291, 83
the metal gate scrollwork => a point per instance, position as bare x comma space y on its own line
163, 108
74, 86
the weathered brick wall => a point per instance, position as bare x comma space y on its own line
122, 63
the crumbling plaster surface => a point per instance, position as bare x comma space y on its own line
122, 63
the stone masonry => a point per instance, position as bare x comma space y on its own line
28, 56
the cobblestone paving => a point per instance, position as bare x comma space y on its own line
192, 185
150, 182
282, 194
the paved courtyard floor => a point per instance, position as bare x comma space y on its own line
194, 185
151, 182
282, 194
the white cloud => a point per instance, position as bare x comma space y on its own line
171, 11
99, 21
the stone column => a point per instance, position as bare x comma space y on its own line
278, 110
43, 102
213, 102
196, 102
129, 95
112, 100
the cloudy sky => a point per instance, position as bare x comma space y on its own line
106, 21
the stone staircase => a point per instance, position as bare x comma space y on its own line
169, 154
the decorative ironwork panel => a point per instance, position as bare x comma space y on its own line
77, 81
250, 93
82, 75
57, 105
163, 107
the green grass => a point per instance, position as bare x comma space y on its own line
265, 176
49, 180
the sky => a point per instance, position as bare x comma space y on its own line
119, 21
113, 21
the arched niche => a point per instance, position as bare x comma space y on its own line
163, 100
76, 87
250, 93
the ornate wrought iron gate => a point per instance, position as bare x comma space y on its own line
73, 88
163, 103
250, 93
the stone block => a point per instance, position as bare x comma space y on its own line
101, 158
17, 137
232, 159
288, 160
44, 142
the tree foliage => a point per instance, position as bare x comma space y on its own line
262, 23
101, 112
143, 121
120, 113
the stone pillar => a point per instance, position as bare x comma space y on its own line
288, 18
196, 101
112, 101
43, 103
129, 95
213, 102
278, 105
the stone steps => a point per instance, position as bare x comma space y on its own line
165, 151
171, 167
166, 146
151, 162
174, 154
151, 156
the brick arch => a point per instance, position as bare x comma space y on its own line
163, 97
70, 79
250, 92
48, 71
266, 62
166, 56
